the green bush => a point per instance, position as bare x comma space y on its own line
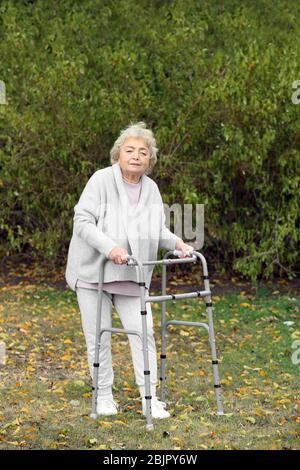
212, 79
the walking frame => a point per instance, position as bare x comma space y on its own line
193, 256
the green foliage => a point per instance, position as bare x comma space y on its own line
212, 79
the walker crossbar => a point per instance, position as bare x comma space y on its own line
186, 323
162, 298
171, 261
121, 330
132, 261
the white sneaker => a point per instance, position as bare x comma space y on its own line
106, 406
157, 407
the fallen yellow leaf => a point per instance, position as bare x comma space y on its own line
25, 409
295, 335
66, 357
101, 447
251, 420
184, 333
263, 373
105, 424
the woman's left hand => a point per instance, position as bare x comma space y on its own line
181, 246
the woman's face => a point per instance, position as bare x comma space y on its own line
134, 156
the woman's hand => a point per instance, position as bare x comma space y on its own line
181, 246
118, 255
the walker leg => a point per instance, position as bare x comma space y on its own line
97, 343
163, 356
212, 341
96, 359
148, 397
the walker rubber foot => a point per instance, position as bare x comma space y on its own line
93, 415
220, 413
149, 427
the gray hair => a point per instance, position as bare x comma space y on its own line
138, 130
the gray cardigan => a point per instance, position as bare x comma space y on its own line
104, 219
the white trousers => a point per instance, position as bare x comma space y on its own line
129, 311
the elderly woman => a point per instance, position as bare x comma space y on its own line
120, 212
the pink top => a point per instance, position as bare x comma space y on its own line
120, 287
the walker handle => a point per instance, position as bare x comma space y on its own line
130, 261
179, 252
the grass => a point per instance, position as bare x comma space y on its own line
46, 388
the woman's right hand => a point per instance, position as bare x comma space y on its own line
118, 255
